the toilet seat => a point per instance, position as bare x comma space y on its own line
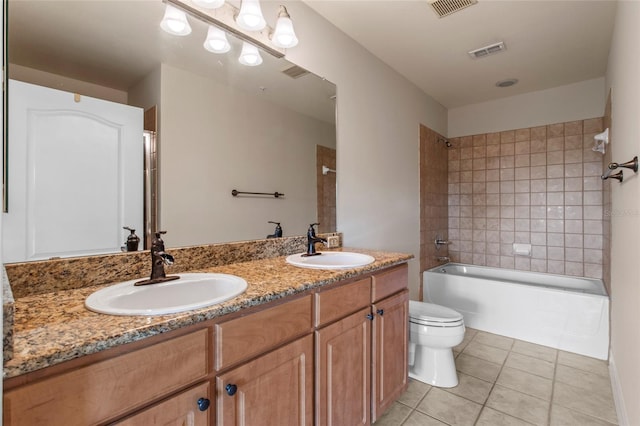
433, 315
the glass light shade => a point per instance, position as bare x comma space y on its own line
175, 22
250, 17
250, 55
209, 4
284, 36
216, 41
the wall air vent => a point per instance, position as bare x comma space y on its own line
447, 7
295, 71
487, 50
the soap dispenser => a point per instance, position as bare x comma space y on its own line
278, 232
132, 240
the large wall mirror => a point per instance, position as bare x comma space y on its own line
220, 125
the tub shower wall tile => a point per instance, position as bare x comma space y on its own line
435, 188
538, 186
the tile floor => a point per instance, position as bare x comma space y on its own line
504, 381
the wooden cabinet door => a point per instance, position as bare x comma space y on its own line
390, 340
274, 389
189, 408
343, 375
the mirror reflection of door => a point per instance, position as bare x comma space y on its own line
64, 148
326, 181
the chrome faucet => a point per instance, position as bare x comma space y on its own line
312, 240
159, 258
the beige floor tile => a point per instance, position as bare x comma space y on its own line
494, 340
595, 403
488, 353
477, 367
463, 344
491, 417
394, 416
469, 334
471, 388
531, 365
449, 408
414, 393
519, 405
561, 416
584, 363
419, 419
536, 351
526, 383
582, 379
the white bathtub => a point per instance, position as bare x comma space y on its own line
562, 312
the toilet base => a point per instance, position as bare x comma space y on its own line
435, 367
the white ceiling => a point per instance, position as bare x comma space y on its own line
549, 43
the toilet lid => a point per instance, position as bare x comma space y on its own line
432, 313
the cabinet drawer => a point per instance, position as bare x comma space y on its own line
181, 409
110, 388
245, 337
389, 282
339, 302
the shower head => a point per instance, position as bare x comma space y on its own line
446, 142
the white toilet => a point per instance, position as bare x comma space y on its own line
433, 331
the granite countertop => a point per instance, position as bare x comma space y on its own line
54, 327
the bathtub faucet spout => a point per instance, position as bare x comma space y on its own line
443, 259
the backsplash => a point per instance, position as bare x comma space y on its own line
31, 278
538, 186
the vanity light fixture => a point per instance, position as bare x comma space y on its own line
250, 55
209, 4
216, 41
250, 16
284, 36
175, 22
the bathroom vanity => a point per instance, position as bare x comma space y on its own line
301, 346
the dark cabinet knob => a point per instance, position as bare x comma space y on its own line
231, 389
203, 404
370, 317
380, 311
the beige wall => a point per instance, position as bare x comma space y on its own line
623, 78
379, 117
55, 81
577, 101
223, 139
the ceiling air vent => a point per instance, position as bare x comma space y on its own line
295, 71
487, 50
447, 7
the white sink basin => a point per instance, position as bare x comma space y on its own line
330, 260
191, 291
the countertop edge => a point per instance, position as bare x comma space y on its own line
26, 361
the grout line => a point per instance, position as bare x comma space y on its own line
553, 385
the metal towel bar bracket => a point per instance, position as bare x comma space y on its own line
632, 165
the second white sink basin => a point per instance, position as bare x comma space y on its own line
191, 291
331, 260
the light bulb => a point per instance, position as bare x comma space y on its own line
216, 41
209, 4
250, 17
175, 22
250, 55
284, 36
